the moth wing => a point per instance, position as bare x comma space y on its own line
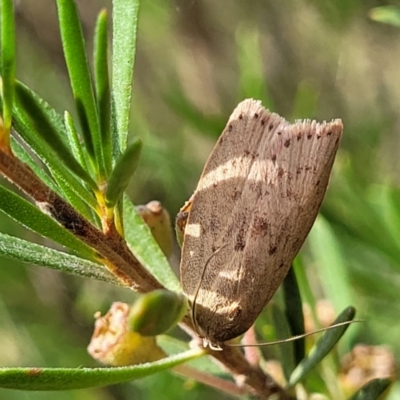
256, 200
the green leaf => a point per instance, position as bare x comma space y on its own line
304, 286
122, 173
286, 350
36, 109
145, 248
80, 378
81, 82
32, 253
332, 269
26, 129
372, 390
125, 20
102, 85
353, 220
205, 364
324, 345
70, 194
294, 313
31, 217
26, 158
7, 59
386, 14
73, 139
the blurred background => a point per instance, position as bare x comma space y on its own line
195, 60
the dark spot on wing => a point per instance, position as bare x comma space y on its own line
256, 115
214, 224
263, 122
309, 136
281, 172
240, 242
240, 116
272, 250
329, 133
271, 126
287, 143
230, 127
273, 158
279, 133
260, 226
299, 136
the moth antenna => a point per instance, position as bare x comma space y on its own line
199, 285
292, 339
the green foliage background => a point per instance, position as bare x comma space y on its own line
196, 59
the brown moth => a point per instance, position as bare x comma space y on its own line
256, 201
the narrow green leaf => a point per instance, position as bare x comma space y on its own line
26, 158
386, 14
372, 390
205, 364
81, 81
304, 286
7, 59
79, 378
122, 173
31, 217
32, 253
145, 248
26, 130
322, 347
125, 20
352, 219
76, 149
286, 350
73, 139
102, 85
37, 113
70, 194
294, 313
332, 269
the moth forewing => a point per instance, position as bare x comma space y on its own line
258, 196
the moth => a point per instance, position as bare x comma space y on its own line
257, 199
